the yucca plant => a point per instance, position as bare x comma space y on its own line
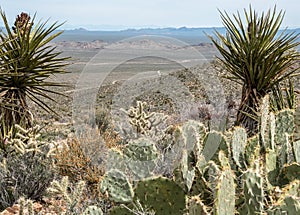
283, 96
26, 62
257, 56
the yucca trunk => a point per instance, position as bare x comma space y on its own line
249, 108
16, 110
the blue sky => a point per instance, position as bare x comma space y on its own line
122, 14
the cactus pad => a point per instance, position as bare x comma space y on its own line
162, 195
117, 185
225, 194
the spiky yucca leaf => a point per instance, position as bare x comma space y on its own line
27, 61
283, 98
256, 56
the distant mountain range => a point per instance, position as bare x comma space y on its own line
181, 30
188, 35
153, 31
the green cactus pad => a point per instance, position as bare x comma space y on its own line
212, 142
296, 150
289, 173
194, 133
289, 205
119, 210
117, 185
284, 124
187, 171
238, 144
142, 149
141, 157
271, 166
162, 195
272, 130
292, 205
212, 173
253, 192
225, 195
252, 150
224, 161
115, 160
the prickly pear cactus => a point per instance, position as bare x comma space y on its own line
212, 142
162, 195
296, 151
141, 157
285, 151
212, 172
195, 206
187, 171
252, 150
284, 125
272, 130
253, 192
238, 144
289, 205
225, 194
194, 133
292, 189
289, 173
271, 165
142, 149
223, 159
92, 210
292, 205
297, 123
115, 160
119, 210
117, 185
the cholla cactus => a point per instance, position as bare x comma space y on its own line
25, 140
22, 24
142, 121
61, 188
26, 206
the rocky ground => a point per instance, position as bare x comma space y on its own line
182, 93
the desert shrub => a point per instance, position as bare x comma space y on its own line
75, 198
26, 175
72, 161
102, 119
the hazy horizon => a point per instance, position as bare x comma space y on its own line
136, 14
115, 29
